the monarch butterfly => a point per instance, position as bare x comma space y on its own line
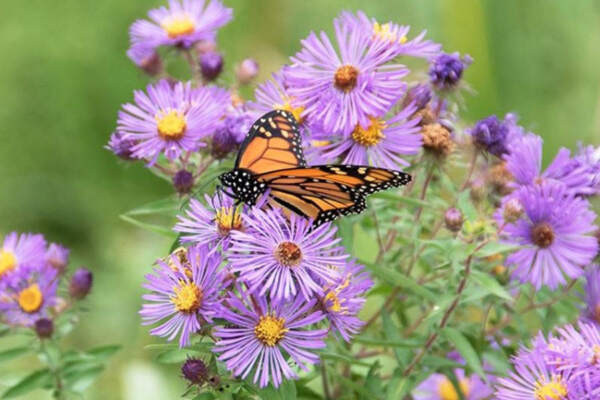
271, 158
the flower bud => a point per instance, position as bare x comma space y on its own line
437, 140
58, 257
453, 219
223, 143
183, 181
152, 65
477, 190
81, 283
205, 46
211, 64
44, 328
513, 209
491, 134
121, 147
194, 371
446, 70
246, 71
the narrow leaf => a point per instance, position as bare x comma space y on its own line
32, 381
13, 353
466, 350
397, 279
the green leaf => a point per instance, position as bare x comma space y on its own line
493, 248
179, 355
35, 380
287, 390
80, 380
165, 206
104, 352
490, 284
161, 230
404, 343
466, 350
161, 346
13, 353
397, 279
358, 388
402, 199
340, 357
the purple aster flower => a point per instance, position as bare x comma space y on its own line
446, 70
181, 24
344, 88
381, 143
344, 298
57, 256
524, 162
146, 58
393, 36
494, 135
170, 119
29, 295
534, 379
282, 257
17, 251
211, 64
121, 147
273, 95
184, 294
439, 387
259, 336
554, 232
211, 225
591, 313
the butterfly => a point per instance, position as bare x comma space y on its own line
271, 160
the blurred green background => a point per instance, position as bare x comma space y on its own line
64, 73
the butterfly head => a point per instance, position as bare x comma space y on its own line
243, 185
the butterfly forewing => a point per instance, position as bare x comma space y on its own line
273, 143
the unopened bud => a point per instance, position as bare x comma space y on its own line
246, 71
205, 46
211, 64
513, 209
81, 283
183, 181
57, 256
453, 219
477, 191
194, 371
44, 328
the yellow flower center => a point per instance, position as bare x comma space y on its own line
179, 26
270, 330
8, 261
228, 218
332, 296
295, 111
31, 298
554, 389
447, 391
171, 124
319, 143
188, 297
288, 254
385, 32
345, 78
370, 136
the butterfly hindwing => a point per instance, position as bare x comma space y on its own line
273, 143
326, 192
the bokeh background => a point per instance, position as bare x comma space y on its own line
64, 73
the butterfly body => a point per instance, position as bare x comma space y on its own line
271, 159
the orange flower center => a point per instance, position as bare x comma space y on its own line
370, 136
288, 254
345, 78
542, 235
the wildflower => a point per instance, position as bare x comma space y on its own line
524, 162
81, 283
554, 234
493, 135
211, 65
211, 225
381, 143
194, 371
592, 294
259, 336
181, 24
273, 95
146, 58
439, 387
343, 299
446, 70
393, 36
21, 250
339, 92
283, 257
453, 219
246, 71
183, 181
513, 209
29, 296
184, 297
170, 119
57, 256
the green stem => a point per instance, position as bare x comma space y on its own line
55, 369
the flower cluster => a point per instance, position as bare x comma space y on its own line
562, 366
31, 271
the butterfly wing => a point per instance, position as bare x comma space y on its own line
324, 193
273, 143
